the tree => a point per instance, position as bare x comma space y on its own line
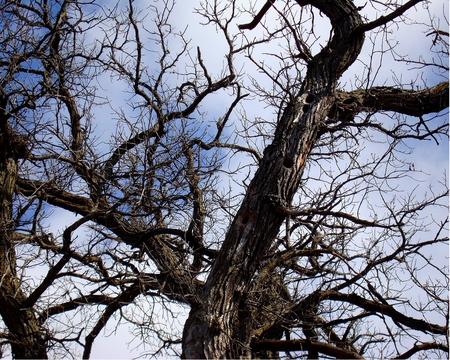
323, 255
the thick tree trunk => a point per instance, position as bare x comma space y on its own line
218, 327
25, 331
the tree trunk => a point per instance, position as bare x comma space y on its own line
25, 331
218, 327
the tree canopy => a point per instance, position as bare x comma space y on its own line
279, 174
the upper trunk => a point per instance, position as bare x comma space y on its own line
219, 326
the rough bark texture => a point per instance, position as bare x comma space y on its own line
218, 326
26, 336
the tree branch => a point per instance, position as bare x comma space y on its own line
421, 347
387, 310
54, 196
258, 16
382, 20
302, 345
382, 98
126, 297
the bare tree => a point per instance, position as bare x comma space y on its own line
323, 254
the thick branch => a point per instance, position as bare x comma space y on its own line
305, 345
258, 16
54, 196
421, 347
381, 98
74, 304
382, 20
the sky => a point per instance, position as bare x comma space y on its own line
117, 341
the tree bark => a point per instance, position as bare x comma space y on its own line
25, 331
218, 327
